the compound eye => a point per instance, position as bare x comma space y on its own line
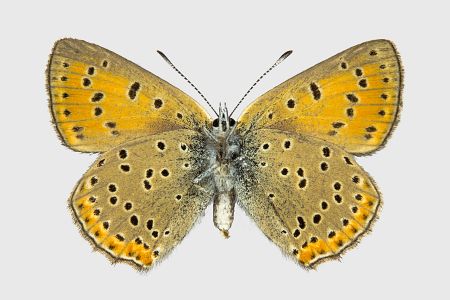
216, 123
232, 122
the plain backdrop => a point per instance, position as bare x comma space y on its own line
223, 47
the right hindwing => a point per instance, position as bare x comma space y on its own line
308, 196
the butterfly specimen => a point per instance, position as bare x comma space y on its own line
288, 160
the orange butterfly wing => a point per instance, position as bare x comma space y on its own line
100, 100
351, 99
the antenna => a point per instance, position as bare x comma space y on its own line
282, 57
185, 78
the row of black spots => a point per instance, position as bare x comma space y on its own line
358, 72
265, 146
105, 63
324, 166
343, 65
93, 181
300, 172
384, 96
296, 233
382, 112
270, 115
80, 136
149, 224
317, 218
373, 52
123, 154
263, 164
350, 112
324, 205
271, 196
77, 129
113, 200
112, 187
303, 184
147, 185
158, 103
363, 83
326, 152
179, 115
301, 222
98, 111
120, 237
337, 186
371, 129
125, 168
110, 124
92, 199
134, 88
134, 220
90, 70
106, 225
337, 125
332, 132
331, 234
65, 65
347, 160
359, 197
368, 136
337, 198
356, 179
386, 80
161, 145
352, 98
290, 104
178, 197
284, 171
128, 206
345, 222
65, 95
165, 172
63, 78
315, 91
313, 240
86, 82
287, 144
67, 112
97, 97
114, 133
148, 173
186, 165
183, 147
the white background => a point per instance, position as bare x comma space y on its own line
223, 47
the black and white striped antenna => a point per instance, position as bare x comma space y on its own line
185, 78
282, 57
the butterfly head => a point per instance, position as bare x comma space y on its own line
223, 124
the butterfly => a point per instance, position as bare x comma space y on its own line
288, 160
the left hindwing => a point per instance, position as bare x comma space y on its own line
351, 99
138, 201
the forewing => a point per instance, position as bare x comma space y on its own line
351, 99
99, 100
138, 201
308, 196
